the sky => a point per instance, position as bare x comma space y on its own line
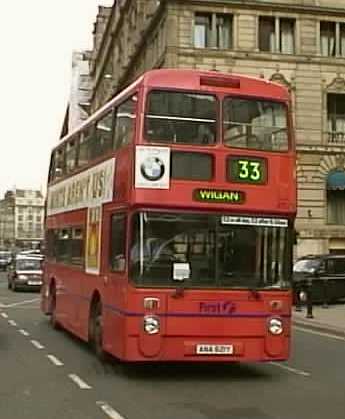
37, 38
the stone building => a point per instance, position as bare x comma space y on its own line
298, 43
21, 218
7, 236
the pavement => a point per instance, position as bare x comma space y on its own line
328, 320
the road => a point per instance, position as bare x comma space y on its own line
47, 374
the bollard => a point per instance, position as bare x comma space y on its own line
309, 299
325, 293
298, 305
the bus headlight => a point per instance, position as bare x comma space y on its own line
151, 325
275, 326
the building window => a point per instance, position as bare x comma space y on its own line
327, 38
336, 197
336, 117
332, 39
342, 39
202, 30
213, 30
277, 35
266, 34
336, 207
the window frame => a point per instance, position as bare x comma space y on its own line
218, 102
124, 215
277, 32
54, 166
52, 237
75, 150
288, 123
111, 113
131, 97
329, 23
211, 36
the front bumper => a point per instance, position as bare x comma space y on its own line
28, 283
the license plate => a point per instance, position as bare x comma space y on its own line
205, 349
34, 283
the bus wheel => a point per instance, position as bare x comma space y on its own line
53, 321
97, 332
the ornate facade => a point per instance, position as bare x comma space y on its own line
21, 218
299, 44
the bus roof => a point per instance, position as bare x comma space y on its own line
198, 80
215, 81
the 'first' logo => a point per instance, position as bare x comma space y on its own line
217, 307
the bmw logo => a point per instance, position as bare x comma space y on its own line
152, 168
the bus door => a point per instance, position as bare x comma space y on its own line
115, 280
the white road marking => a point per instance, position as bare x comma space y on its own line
108, 410
23, 332
79, 382
37, 344
4, 315
55, 361
323, 334
290, 369
20, 303
12, 323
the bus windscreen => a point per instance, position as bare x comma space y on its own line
213, 252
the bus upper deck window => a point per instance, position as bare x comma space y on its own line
59, 163
255, 124
71, 154
125, 122
181, 117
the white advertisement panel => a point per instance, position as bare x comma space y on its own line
152, 167
87, 189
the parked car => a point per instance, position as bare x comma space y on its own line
326, 273
5, 259
25, 273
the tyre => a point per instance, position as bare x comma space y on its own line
96, 332
53, 320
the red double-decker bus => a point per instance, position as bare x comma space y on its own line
169, 225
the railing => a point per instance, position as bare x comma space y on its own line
335, 137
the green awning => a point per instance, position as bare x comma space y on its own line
336, 180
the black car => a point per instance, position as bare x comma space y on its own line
5, 260
325, 274
25, 273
